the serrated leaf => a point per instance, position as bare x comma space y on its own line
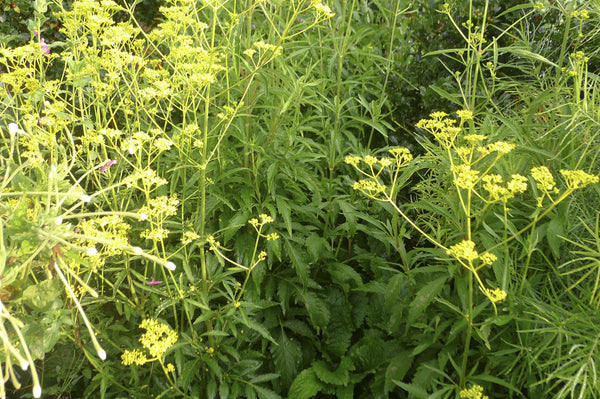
235, 223
287, 357
298, 327
188, 372
265, 393
316, 246
343, 274
341, 375
284, 210
370, 354
349, 212
397, 369
305, 385
423, 298
317, 310
301, 266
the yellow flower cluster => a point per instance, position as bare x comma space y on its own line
188, 237
161, 207
134, 357
402, 156
496, 295
464, 250
264, 219
475, 392
158, 337
492, 184
500, 147
578, 178
148, 177
464, 176
112, 231
322, 9
266, 47
155, 234
369, 186
441, 127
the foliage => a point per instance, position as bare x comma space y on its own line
178, 219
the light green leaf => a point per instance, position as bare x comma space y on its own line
305, 386
423, 298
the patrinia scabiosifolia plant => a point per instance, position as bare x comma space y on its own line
474, 167
86, 153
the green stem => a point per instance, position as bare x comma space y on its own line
463, 367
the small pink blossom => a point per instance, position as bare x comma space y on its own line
110, 163
153, 282
44, 47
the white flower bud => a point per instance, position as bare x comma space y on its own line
171, 266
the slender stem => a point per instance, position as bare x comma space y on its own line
463, 368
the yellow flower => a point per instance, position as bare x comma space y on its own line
578, 178
501, 147
496, 295
517, 184
488, 258
158, 337
188, 237
385, 162
370, 187
402, 155
370, 160
352, 160
135, 356
465, 177
464, 115
272, 236
475, 392
464, 249
170, 368
264, 218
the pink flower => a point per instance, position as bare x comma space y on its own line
153, 282
110, 163
44, 47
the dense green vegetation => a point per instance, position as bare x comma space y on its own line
300, 198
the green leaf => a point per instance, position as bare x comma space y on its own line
345, 392
265, 393
423, 298
188, 373
235, 223
317, 310
344, 275
300, 264
284, 210
350, 213
259, 329
211, 389
341, 375
305, 386
414, 390
316, 246
41, 296
556, 229
397, 369
287, 356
